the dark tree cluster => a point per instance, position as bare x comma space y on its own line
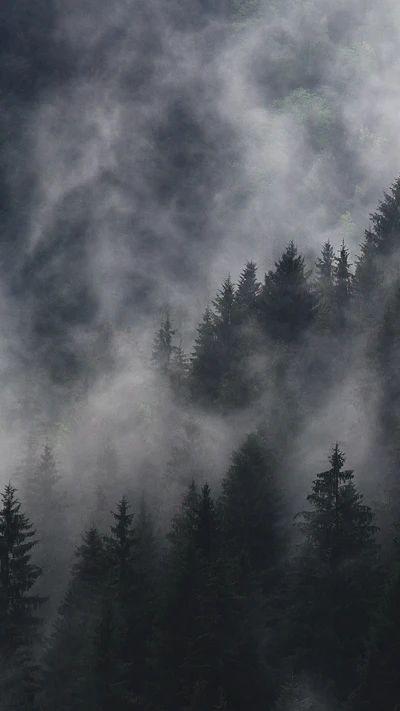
244, 602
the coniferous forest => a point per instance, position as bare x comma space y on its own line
237, 600
199, 356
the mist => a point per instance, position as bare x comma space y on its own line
148, 151
166, 151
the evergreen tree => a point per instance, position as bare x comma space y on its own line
46, 503
201, 640
367, 272
247, 293
251, 509
286, 303
176, 609
120, 546
205, 376
343, 286
340, 527
374, 270
71, 678
225, 321
19, 623
336, 580
324, 268
385, 369
242, 382
163, 346
132, 554
253, 539
324, 286
108, 692
179, 372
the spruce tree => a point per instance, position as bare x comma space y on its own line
378, 261
120, 546
200, 642
242, 382
324, 286
46, 504
324, 268
205, 373
163, 346
341, 526
251, 509
179, 372
247, 293
287, 303
132, 555
385, 368
176, 610
71, 678
19, 623
343, 286
225, 322
336, 579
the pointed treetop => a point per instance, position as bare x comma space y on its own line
290, 263
342, 266
324, 266
162, 345
248, 289
340, 526
224, 300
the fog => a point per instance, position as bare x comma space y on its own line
175, 145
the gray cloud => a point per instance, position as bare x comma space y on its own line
288, 126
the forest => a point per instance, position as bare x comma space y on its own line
237, 601
199, 355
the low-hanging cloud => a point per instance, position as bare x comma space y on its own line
175, 150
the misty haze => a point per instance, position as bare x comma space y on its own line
200, 355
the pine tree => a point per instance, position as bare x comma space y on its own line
324, 268
324, 286
132, 554
247, 293
179, 372
71, 680
199, 643
343, 286
109, 687
205, 375
374, 270
46, 504
336, 581
242, 382
340, 527
163, 346
18, 604
251, 509
176, 609
385, 369
225, 321
287, 304
120, 546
